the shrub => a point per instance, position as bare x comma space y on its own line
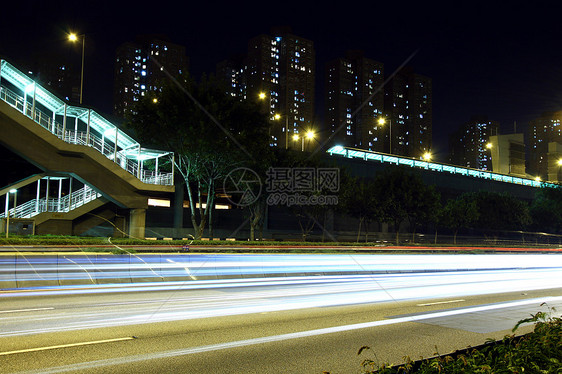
537, 352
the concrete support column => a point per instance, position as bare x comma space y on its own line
119, 228
137, 223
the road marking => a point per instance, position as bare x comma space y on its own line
24, 310
66, 346
276, 338
442, 302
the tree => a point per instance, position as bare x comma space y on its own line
422, 204
304, 167
209, 132
401, 196
358, 198
546, 209
500, 211
459, 213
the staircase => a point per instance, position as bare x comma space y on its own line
78, 144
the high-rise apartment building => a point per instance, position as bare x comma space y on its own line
141, 66
278, 69
468, 146
542, 132
408, 108
354, 101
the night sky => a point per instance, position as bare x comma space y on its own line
502, 62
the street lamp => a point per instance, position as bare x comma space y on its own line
382, 122
14, 191
74, 38
489, 146
309, 135
277, 117
427, 156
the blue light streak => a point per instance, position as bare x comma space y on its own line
64, 270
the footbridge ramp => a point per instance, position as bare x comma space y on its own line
78, 144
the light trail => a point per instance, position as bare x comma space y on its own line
78, 269
205, 299
24, 310
289, 336
65, 346
336, 280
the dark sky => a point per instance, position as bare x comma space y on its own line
500, 61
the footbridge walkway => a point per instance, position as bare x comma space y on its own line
87, 161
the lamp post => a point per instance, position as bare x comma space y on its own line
309, 135
277, 117
296, 138
382, 122
14, 191
74, 38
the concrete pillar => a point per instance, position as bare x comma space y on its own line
119, 228
137, 223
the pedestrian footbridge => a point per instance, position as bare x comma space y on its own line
87, 162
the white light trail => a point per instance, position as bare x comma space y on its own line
65, 346
24, 310
296, 335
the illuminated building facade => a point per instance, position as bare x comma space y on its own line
408, 104
354, 101
468, 145
508, 154
278, 69
544, 138
140, 67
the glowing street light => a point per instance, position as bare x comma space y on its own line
427, 156
309, 135
277, 117
74, 38
382, 122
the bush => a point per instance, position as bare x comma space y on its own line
537, 352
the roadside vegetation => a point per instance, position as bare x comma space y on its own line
537, 352
399, 196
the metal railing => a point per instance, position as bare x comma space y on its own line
83, 138
63, 205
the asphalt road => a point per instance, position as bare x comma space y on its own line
300, 324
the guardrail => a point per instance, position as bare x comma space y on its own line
64, 204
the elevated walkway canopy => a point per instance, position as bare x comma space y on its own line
383, 158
